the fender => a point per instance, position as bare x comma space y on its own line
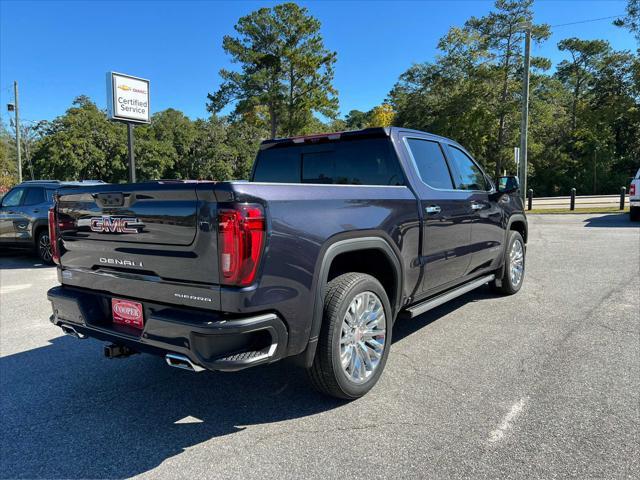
512, 218
332, 251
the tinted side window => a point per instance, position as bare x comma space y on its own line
349, 162
430, 162
358, 162
50, 194
279, 165
13, 198
34, 196
469, 176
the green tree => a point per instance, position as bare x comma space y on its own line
211, 158
473, 90
8, 159
356, 120
494, 44
171, 136
82, 144
284, 67
578, 72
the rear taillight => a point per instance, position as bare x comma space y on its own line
241, 233
53, 236
632, 190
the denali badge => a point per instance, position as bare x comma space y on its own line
109, 224
117, 261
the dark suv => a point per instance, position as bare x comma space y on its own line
24, 215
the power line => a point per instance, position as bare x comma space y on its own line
588, 21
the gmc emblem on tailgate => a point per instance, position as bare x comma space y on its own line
110, 224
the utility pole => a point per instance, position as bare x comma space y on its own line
524, 123
18, 143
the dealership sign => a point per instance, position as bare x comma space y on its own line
127, 98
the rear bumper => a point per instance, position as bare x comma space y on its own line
634, 202
213, 340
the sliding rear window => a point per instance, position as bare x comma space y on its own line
368, 161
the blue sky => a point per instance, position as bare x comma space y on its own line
58, 50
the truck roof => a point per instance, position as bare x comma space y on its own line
59, 183
375, 132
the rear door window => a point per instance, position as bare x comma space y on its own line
34, 196
430, 163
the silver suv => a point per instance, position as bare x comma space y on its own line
24, 215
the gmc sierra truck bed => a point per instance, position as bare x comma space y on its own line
334, 238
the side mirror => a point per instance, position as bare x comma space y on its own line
508, 184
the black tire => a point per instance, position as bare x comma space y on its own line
326, 373
505, 285
43, 247
634, 214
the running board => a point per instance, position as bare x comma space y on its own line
434, 302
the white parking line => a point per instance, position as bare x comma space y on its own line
506, 423
15, 288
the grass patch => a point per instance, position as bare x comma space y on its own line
580, 210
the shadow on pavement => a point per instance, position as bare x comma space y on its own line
613, 220
405, 328
68, 412
16, 259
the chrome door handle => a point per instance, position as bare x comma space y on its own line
433, 209
476, 206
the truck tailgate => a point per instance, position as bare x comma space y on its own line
161, 231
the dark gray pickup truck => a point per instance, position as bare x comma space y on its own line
333, 239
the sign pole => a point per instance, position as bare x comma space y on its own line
132, 156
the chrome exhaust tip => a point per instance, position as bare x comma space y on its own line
180, 361
72, 332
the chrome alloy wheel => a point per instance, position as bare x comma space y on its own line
362, 340
516, 262
44, 248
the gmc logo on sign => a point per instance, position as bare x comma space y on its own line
115, 224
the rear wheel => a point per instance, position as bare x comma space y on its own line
634, 213
513, 271
355, 337
43, 247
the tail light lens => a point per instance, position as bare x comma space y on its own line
53, 236
632, 189
241, 234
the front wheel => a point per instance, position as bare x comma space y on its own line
513, 270
354, 339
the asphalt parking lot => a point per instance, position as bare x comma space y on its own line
542, 384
